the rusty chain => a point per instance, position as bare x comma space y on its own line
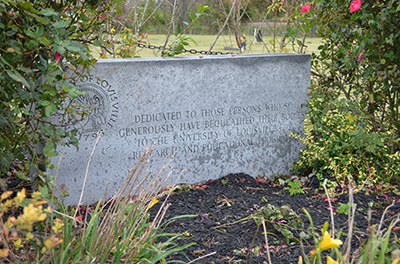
191, 51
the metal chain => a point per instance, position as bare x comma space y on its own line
191, 51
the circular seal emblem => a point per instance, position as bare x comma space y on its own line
101, 103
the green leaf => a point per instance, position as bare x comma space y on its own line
202, 8
48, 12
49, 148
22, 176
61, 24
74, 48
44, 41
65, 43
45, 103
43, 20
32, 44
44, 191
18, 77
25, 70
50, 109
27, 5
3, 60
10, 33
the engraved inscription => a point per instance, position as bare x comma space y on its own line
205, 131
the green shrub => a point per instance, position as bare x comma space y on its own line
29, 233
339, 142
353, 126
41, 43
359, 58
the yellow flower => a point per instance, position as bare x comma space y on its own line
3, 252
36, 195
57, 225
396, 261
327, 242
3, 208
152, 203
31, 215
300, 260
5, 195
40, 203
112, 30
7, 204
11, 221
52, 242
329, 260
29, 236
18, 243
20, 197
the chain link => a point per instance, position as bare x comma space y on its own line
191, 51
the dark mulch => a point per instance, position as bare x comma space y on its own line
237, 196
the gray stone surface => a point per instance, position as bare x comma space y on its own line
215, 115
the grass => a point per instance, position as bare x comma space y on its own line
120, 230
203, 42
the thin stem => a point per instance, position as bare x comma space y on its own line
352, 211
87, 173
207, 255
170, 25
266, 240
223, 26
383, 215
330, 210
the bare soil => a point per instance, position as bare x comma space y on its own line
225, 231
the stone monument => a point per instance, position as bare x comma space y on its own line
212, 115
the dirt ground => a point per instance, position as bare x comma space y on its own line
226, 212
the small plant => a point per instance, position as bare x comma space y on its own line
382, 246
178, 46
294, 187
324, 243
127, 48
120, 230
282, 220
28, 229
343, 208
258, 251
224, 181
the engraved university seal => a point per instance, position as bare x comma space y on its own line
101, 102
